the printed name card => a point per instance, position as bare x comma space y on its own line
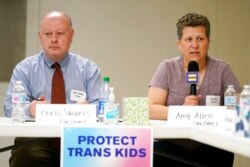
197, 116
66, 114
110, 146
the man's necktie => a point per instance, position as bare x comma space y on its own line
57, 95
58, 87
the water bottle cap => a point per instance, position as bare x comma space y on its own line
106, 79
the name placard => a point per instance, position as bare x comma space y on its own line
66, 114
201, 116
110, 146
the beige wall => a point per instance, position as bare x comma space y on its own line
129, 38
232, 35
12, 35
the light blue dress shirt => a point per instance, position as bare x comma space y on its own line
36, 74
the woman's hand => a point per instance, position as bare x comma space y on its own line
192, 100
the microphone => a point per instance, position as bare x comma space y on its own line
192, 76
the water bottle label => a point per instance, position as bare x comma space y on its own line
101, 106
245, 102
18, 98
230, 100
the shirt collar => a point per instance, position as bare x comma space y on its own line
63, 63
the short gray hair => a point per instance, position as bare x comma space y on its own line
192, 20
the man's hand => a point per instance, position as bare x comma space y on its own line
33, 104
82, 102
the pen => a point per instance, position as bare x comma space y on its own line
33, 98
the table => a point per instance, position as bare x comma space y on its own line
161, 130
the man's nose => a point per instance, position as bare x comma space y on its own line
54, 37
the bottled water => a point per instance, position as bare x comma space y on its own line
111, 109
245, 96
103, 98
243, 126
18, 103
230, 97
